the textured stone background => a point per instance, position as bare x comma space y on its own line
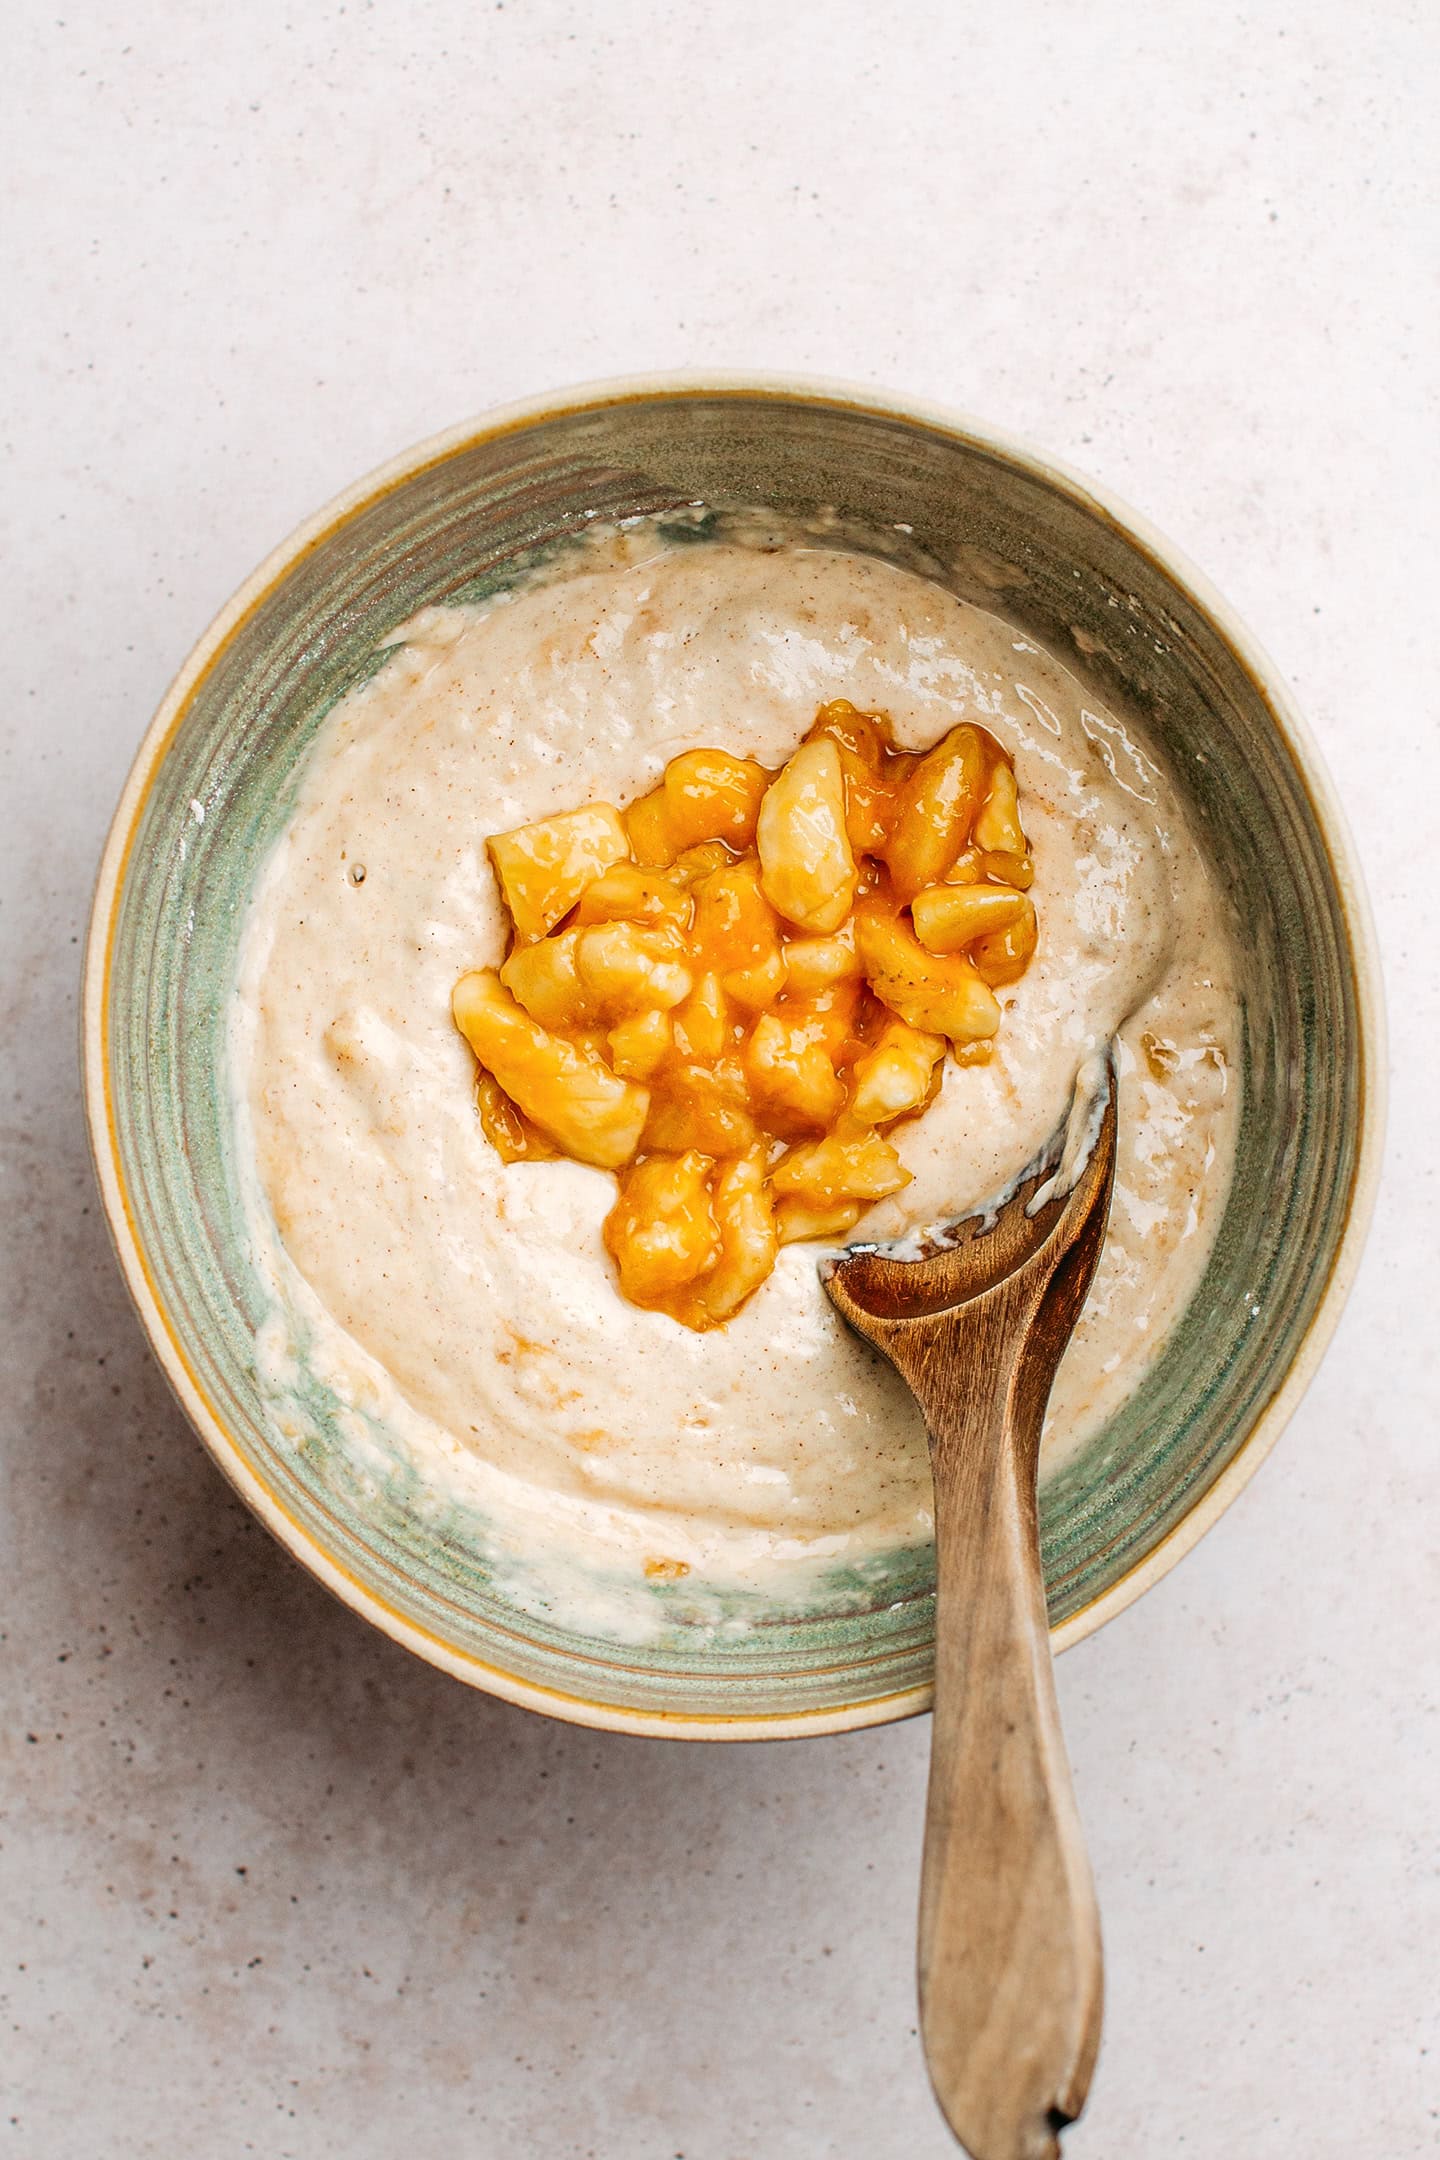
268, 1885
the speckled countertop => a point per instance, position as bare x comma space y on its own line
267, 1885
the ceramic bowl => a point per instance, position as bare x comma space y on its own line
211, 788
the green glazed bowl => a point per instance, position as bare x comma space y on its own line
211, 789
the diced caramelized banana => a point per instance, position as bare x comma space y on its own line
827, 1017
661, 1232
869, 797
703, 1028
626, 893
757, 987
509, 1132
735, 925
695, 863
937, 807
544, 868
949, 917
624, 968
710, 795
1004, 957
940, 994
895, 1077
796, 1219
807, 863
745, 1214
853, 1164
587, 1110
647, 826
816, 963
998, 826
974, 865
1016, 870
546, 980
751, 964
640, 1045
792, 1076
696, 1106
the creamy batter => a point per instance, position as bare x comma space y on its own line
469, 1307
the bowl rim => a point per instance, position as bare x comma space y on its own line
513, 418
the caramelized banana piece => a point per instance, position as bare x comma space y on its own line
661, 1232
869, 795
544, 868
757, 987
626, 893
827, 1017
587, 1110
1016, 870
546, 981
1004, 957
625, 968
791, 1076
509, 1132
647, 827
745, 1215
703, 1027
936, 810
797, 1219
640, 1045
938, 993
736, 935
973, 865
817, 963
895, 1077
806, 861
694, 863
848, 1164
735, 925
696, 1106
997, 828
949, 917
710, 795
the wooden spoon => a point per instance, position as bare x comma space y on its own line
1010, 1964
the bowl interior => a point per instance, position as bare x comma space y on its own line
1007, 534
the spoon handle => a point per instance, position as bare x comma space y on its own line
1010, 1962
